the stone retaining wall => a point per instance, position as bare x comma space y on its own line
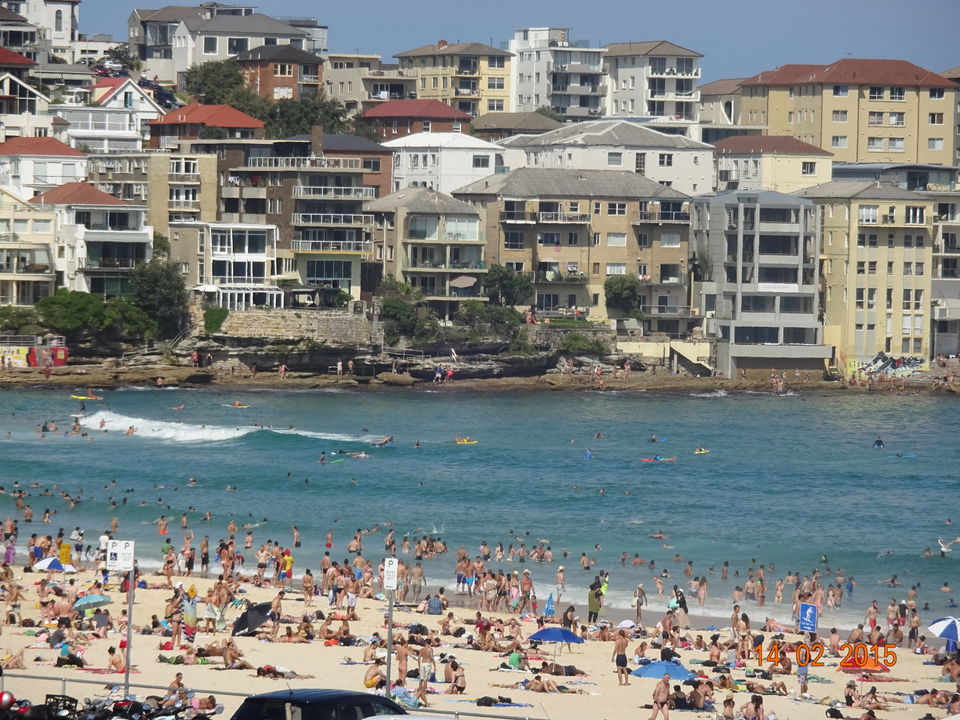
343, 328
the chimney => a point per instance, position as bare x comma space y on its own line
316, 139
441, 44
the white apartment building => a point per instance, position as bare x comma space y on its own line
56, 22
114, 117
32, 165
23, 110
443, 161
549, 69
654, 80
672, 160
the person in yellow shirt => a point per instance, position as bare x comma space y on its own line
287, 575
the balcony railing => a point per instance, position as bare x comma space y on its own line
467, 70
563, 217
309, 78
668, 216
471, 92
950, 248
663, 279
330, 191
26, 269
518, 216
556, 276
103, 126
333, 246
184, 204
108, 263
667, 310
336, 163
674, 72
331, 219
459, 265
183, 177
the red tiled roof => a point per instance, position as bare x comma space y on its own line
9, 57
853, 71
38, 146
759, 144
76, 193
425, 109
222, 116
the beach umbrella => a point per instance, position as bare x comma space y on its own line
251, 619
549, 610
626, 624
947, 628
53, 564
89, 602
189, 607
661, 667
555, 635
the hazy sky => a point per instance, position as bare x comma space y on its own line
737, 37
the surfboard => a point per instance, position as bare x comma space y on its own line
86, 397
700, 452
465, 442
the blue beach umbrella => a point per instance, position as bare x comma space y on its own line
89, 602
555, 634
947, 628
549, 609
53, 564
660, 668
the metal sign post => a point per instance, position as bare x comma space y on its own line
120, 558
390, 585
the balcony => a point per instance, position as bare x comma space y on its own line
673, 279
420, 237
461, 266
467, 70
279, 163
466, 92
579, 89
332, 219
101, 265
331, 191
563, 218
556, 277
580, 112
242, 190
668, 310
363, 247
183, 204
103, 234
690, 96
304, 78
653, 216
43, 269
183, 177
101, 126
948, 248
674, 72
518, 216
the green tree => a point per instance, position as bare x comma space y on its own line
13, 318
287, 118
622, 293
549, 112
504, 321
504, 286
120, 53
402, 313
212, 83
161, 245
159, 290
71, 313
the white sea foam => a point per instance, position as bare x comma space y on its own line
714, 394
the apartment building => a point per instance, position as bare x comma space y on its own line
99, 239
19, 35
193, 121
442, 161
172, 187
860, 110
282, 72
434, 243
23, 111
230, 265
770, 162
471, 77
876, 267
550, 70
721, 113
569, 230
757, 280
55, 23
27, 272
113, 118
32, 165
655, 80
398, 118
672, 160
496, 126
361, 82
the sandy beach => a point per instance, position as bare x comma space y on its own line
601, 697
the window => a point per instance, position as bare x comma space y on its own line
790, 117
237, 45
282, 93
874, 144
209, 45
872, 267
548, 238
616, 269
614, 159
495, 105
861, 240
908, 241
895, 144
935, 118
862, 267
573, 239
670, 240
58, 21
875, 119
918, 300
481, 161
936, 93
896, 119
495, 83
616, 208
456, 127
839, 115
642, 270
915, 214
496, 61
838, 141
935, 144
426, 125
841, 91
808, 168
918, 268
871, 298
371, 164
867, 214
643, 240
128, 100
897, 93
513, 240
666, 160
907, 299
436, 83
616, 240
861, 303
876, 93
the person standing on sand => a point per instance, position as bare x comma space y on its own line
276, 612
639, 600
661, 698
560, 588
619, 656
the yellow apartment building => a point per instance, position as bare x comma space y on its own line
471, 77
859, 110
769, 162
876, 269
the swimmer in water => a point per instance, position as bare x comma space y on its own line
878, 443
653, 438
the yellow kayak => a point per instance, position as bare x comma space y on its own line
702, 451
86, 397
465, 442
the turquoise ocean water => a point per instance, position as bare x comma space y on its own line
787, 479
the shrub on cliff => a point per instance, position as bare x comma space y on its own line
159, 290
213, 318
80, 315
505, 286
622, 293
578, 343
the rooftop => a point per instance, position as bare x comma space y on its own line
284, 53
340, 142
606, 133
766, 145
525, 121
257, 24
7, 15
420, 200
649, 47
210, 115
852, 71
9, 57
859, 189
768, 198
38, 146
445, 48
173, 13
953, 73
441, 140
76, 193
551, 182
416, 109
727, 86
